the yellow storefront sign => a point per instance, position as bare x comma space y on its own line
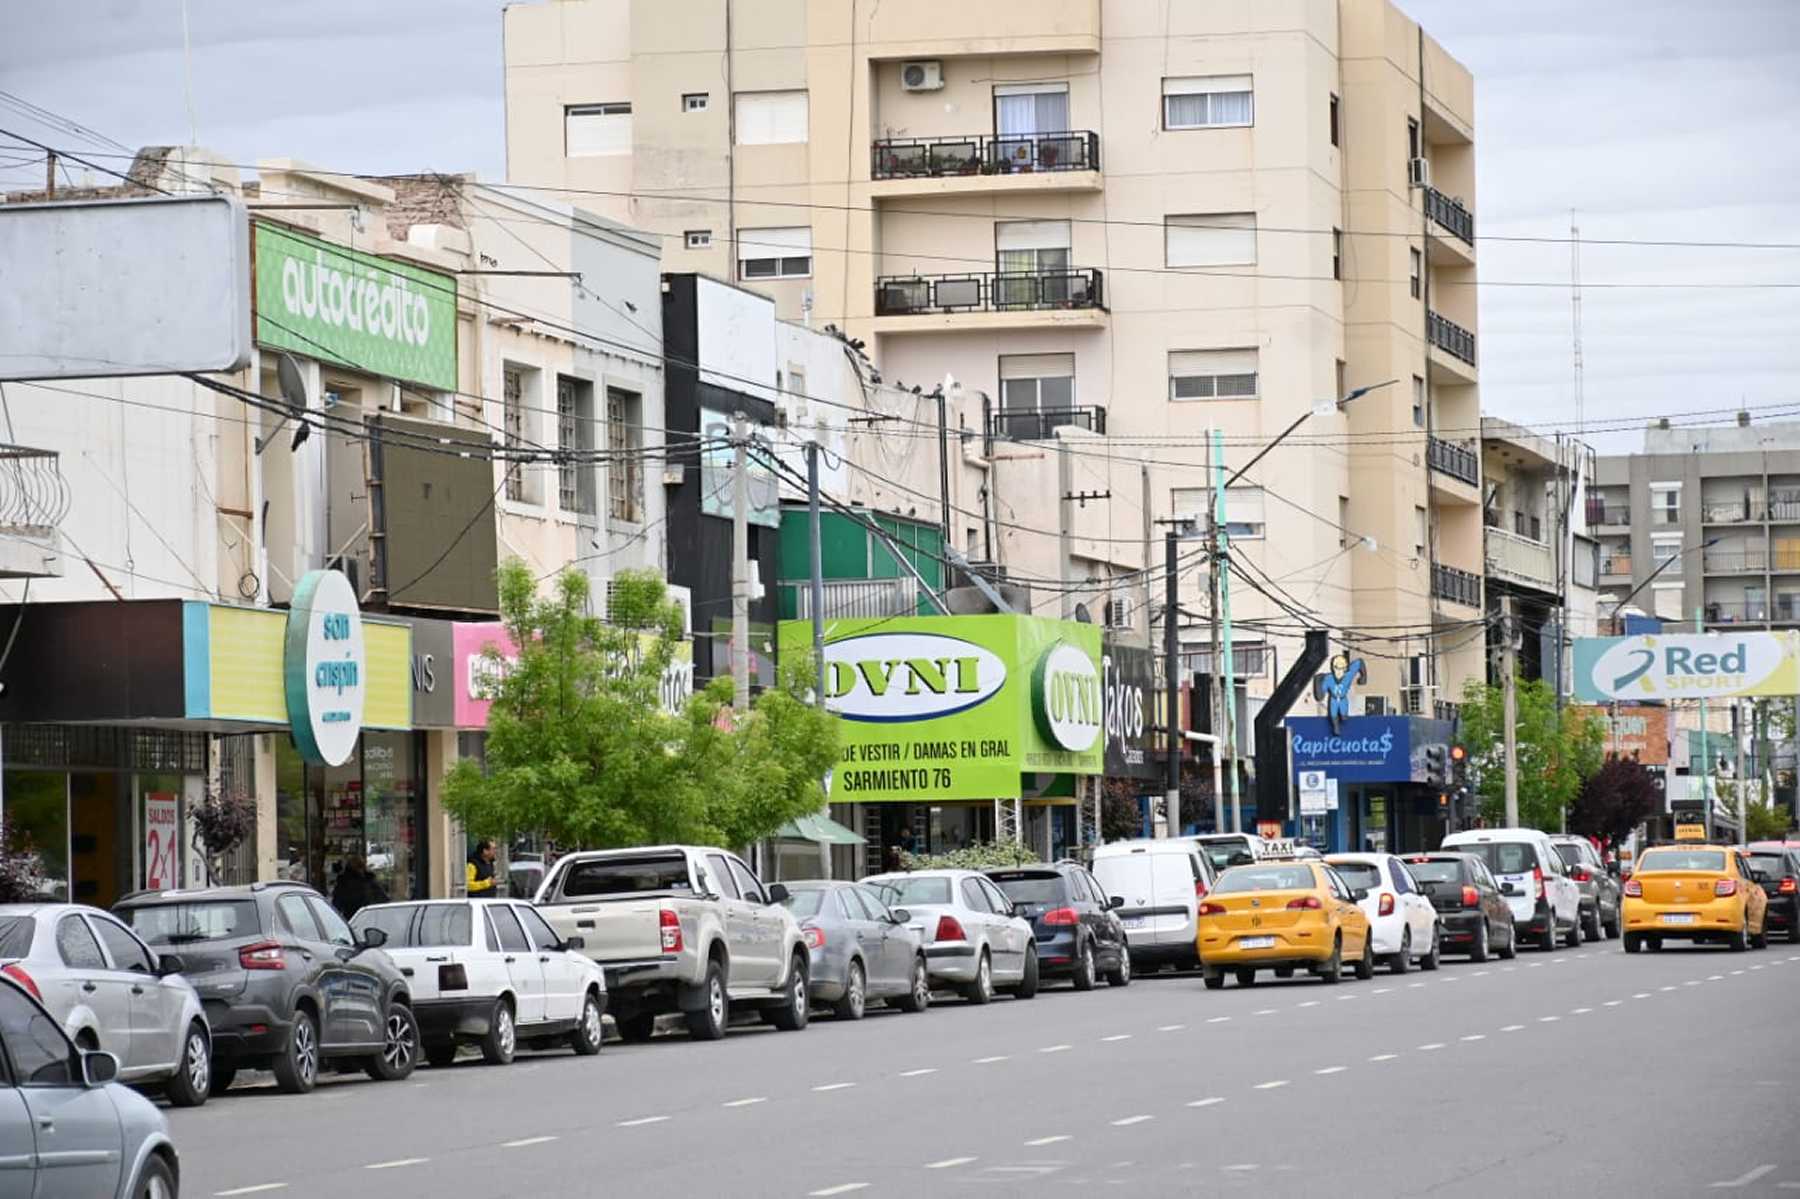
1690, 832
244, 669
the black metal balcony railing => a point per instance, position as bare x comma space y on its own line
1040, 424
901, 295
1456, 585
1457, 461
978, 154
34, 496
1601, 513
1450, 337
1746, 612
1450, 215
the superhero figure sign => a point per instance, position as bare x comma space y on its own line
1334, 688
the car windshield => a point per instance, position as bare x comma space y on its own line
1682, 859
1763, 865
1265, 878
1031, 888
1359, 874
1435, 870
900, 892
186, 921
1504, 857
626, 876
804, 903
438, 925
1570, 854
1230, 851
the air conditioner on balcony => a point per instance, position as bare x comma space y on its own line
1418, 172
924, 76
1117, 614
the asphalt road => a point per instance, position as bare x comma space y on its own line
1578, 1072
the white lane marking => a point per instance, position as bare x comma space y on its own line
749, 1101
1514, 1028
835, 1086
1170, 1027
1308, 1003
1612, 1003
1479, 973
1384, 1057
1268, 1011
397, 1163
1415, 986
522, 1142
948, 1162
1430, 1045
1130, 1120
1241, 1167
1580, 1011
1665, 988
1381, 990
998, 1057
915, 1074
1745, 1179
1507, 969
841, 1189
1123, 1036
1692, 982
1041, 1141
1735, 973
1713, 978
1476, 1036
1345, 998
1533, 965
258, 1189
1055, 1048
1271, 1084
640, 1121
1548, 1019
1756, 967
1331, 1070
1642, 995
1217, 1019
1209, 1101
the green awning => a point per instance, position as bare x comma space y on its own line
821, 830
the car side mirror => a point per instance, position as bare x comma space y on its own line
900, 915
1612, 868
169, 963
98, 1067
575, 943
777, 893
371, 938
1359, 894
1115, 902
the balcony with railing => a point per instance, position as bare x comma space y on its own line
1450, 215
1733, 510
1040, 424
1608, 512
993, 300
1615, 566
34, 498
910, 166
1458, 460
847, 599
1456, 585
1457, 362
1735, 560
1742, 611
1520, 560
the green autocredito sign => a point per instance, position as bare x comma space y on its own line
958, 707
370, 314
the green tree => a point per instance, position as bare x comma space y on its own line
581, 749
1614, 800
1766, 822
1553, 757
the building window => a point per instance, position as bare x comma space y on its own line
1210, 239
1244, 513
597, 130
1416, 277
1334, 120
770, 118
699, 239
796, 381
1337, 253
512, 406
776, 253
1031, 247
1037, 394
1343, 522
1418, 402
1421, 532
625, 464
1212, 374
1664, 548
1028, 110
1340, 378
1412, 141
1665, 503
695, 101
1207, 102
574, 436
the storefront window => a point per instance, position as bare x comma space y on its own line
344, 833
159, 819
367, 808
391, 812
296, 812
36, 807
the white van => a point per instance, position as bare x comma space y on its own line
1160, 884
1225, 849
1545, 901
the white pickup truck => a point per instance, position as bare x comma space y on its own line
680, 929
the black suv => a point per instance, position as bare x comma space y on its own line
1776, 868
286, 985
1078, 936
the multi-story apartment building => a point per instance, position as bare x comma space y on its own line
1145, 221
1706, 521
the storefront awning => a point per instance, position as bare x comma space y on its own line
821, 830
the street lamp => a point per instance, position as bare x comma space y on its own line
1665, 564
1322, 408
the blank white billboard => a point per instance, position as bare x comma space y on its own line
147, 286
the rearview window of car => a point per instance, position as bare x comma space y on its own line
1358, 874
627, 876
1504, 857
1265, 878
199, 920
1681, 859
15, 936
905, 892
1435, 871
1768, 865
1031, 888
1570, 854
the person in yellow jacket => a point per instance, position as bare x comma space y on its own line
483, 884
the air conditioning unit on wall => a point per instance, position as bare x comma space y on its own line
1418, 172
924, 76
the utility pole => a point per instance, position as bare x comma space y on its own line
1508, 684
1737, 742
1706, 771
1172, 681
740, 564
817, 565
1065, 520
1149, 536
1222, 557
1219, 679
944, 461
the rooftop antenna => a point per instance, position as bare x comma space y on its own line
1575, 315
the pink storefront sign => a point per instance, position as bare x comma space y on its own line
475, 672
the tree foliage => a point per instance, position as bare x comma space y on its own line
222, 822
980, 856
1617, 798
1554, 757
580, 748
21, 874
1766, 822
1121, 814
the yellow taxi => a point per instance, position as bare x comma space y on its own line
1693, 892
1282, 915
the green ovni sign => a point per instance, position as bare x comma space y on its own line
957, 707
370, 314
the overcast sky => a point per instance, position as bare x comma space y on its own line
1655, 119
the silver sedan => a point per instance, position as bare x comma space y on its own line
861, 950
973, 941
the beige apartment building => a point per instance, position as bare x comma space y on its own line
1147, 220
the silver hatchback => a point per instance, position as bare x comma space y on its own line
109, 991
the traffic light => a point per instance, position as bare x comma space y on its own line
1435, 771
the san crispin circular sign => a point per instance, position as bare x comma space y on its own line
1066, 699
325, 670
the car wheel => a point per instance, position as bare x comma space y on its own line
1214, 979
192, 1080
1246, 977
637, 1028
1510, 950
297, 1067
1740, 940
502, 1040
1575, 938
1479, 951
1633, 942
1611, 927
1594, 931
918, 996
1284, 972
793, 1011
1084, 967
399, 1046
850, 1007
1028, 982
709, 1021
1120, 975
982, 989
1547, 942
1761, 939
1333, 970
1653, 943
1794, 929
1401, 962
222, 1078
156, 1182
589, 1033
1434, 955
1365, 965
440, 1055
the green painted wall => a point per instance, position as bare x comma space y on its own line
848, 550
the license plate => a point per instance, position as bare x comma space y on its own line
1678, 918
1132, 922
1255, 942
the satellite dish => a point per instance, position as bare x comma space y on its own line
293, 383
1083, 615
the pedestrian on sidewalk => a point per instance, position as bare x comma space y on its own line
356, 889
480, 872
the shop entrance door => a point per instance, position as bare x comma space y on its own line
100, 841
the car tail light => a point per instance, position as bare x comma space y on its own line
1537, 878
1580, 874
264, 955
1421, 860
1199, 888
1725, 886
453, 977
1386, 906
1634, 888
1788, 886
1305, 903
1471, 897
949, 930
670, 924
815, 937
1212, 909
1061, 916
17, 973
